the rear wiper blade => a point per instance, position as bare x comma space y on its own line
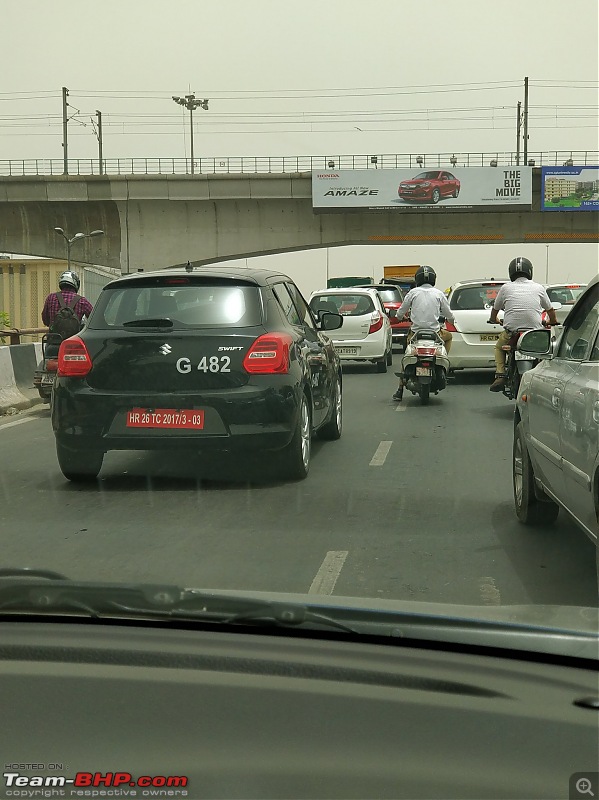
160, 602
154, 322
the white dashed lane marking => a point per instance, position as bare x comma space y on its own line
382, 451
329, 571
16, 422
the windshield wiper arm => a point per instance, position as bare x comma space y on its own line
161, 602
154, 322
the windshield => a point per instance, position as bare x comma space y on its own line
390, 295
192, 306
216, 176
566, 295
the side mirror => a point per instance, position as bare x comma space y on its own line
536, 343
330, 321
557, 306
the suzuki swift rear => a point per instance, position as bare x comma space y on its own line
199, 361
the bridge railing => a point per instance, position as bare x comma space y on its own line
288, 164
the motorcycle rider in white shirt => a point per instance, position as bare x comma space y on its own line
425, 305
523, 302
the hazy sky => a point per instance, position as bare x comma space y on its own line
307, 78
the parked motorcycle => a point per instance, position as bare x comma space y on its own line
424, 366
43, 378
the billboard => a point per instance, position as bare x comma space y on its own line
422, 189
570, 189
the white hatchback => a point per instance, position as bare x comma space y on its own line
366, 331
473, 344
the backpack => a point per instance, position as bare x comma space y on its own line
66, 322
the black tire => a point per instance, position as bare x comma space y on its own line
79, 465
529, 509
456, 193
381, 364
390, 357
331, 430
435, 196
295, 458
424, 390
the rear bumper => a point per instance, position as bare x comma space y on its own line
250, 418
465, 355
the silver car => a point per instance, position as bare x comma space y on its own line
556, 432
565, 294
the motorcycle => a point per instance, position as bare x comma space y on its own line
424, 366
43, 379
516, 364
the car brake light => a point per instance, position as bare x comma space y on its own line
269, 354
73, 358
51, 364
426, 351
376, 322
449, 326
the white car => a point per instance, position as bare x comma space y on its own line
566, 294
366, 331
473, 344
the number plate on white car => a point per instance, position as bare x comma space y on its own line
423, 371
347, 351
489, 337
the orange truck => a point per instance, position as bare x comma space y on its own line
401, 275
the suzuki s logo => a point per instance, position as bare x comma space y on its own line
165, 349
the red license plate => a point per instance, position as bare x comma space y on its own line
165, 418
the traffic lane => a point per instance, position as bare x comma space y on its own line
456, 536
153, 518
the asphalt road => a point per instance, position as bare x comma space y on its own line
412, 503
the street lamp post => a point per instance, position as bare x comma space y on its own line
191, 103
77, 237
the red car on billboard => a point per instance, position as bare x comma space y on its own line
430, 186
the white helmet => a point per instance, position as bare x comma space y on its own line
69, 280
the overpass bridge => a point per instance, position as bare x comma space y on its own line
163, 217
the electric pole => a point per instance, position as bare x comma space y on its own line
518, 131
65, 119
526, 120
100, 158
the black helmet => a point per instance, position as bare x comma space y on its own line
69, 280
520, 268
425, 275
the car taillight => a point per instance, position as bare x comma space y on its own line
269, 354
73, 359
376, 322
426, 351
51, 364
449, 326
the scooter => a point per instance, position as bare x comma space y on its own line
424, 366
43, 378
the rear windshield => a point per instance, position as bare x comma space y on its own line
390, 295
193, 306
472, 298
566, 295
350, 305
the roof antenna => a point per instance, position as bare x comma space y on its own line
188, 267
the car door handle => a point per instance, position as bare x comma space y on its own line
556, 398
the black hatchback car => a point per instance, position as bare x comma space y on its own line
198, 360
